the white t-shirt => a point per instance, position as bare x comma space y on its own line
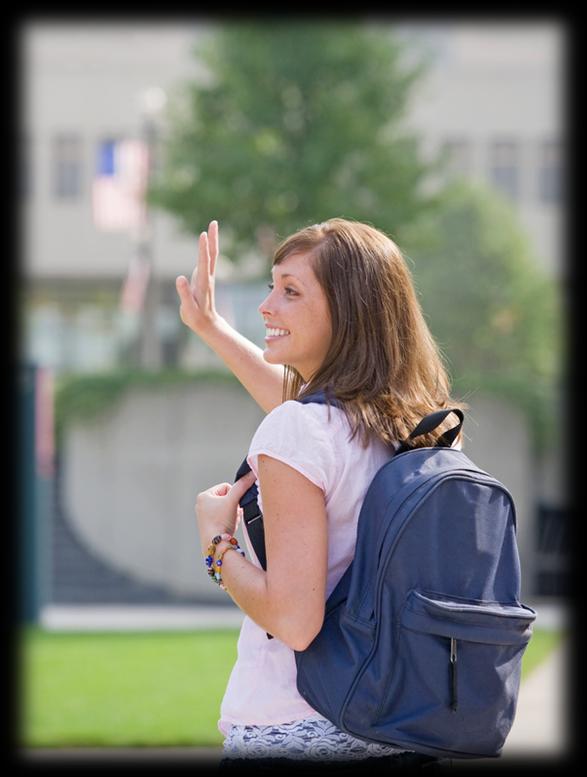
262, 686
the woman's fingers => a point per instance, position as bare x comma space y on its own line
184, 291
200, 273
212, 245
199, 309
186, 299
183, 287
207, 253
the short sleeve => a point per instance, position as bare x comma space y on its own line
297, 435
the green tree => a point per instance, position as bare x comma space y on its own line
496, 316
293, 123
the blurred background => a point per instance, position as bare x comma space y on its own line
448, 135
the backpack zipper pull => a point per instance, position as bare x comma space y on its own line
453, 674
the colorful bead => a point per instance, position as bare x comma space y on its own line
213, 564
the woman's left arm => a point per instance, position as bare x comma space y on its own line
288, 600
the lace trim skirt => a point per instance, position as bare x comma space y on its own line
315, 739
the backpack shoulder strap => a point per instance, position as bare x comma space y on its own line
252, 515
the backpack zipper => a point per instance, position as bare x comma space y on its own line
453, 674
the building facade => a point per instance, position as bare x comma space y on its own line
491, 101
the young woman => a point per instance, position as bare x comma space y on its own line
342, 313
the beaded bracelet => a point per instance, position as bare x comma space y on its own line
218, 562
213, 564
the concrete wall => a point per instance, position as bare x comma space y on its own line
131, 478
498, 440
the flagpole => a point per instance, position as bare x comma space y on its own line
152, 101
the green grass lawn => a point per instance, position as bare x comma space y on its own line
139, 689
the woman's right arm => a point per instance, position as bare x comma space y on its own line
263, 381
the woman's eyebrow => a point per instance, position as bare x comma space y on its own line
289, 275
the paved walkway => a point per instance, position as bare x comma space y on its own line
540, 725
130, 618
133, 618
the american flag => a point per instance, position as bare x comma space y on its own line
118, 190
118, 205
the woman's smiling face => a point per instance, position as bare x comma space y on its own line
296, 305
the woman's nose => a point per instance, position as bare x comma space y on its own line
264, 306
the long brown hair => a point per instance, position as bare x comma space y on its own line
383, 363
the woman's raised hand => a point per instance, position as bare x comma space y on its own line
197, 309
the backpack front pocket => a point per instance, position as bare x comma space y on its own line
456, 671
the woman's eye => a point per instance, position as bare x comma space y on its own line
287, 289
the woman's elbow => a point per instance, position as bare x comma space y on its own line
300, 646
304, 634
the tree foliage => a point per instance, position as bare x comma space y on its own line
496, 316
295, 122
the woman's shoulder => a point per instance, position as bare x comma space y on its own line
300, 435
310, 419
309, 412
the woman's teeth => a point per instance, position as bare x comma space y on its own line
277, 332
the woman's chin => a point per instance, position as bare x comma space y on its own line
271, 358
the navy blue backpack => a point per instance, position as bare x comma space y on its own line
423, 636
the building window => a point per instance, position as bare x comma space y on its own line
67, 164
457, 155
550, 172
504, 167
